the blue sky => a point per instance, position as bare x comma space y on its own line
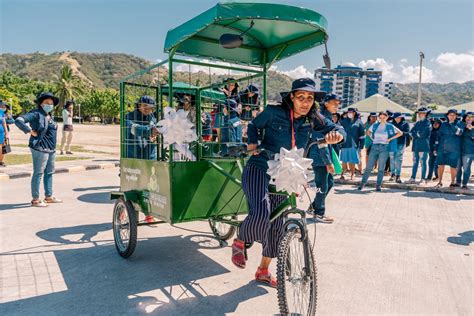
381, 33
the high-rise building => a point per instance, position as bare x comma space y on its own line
352, 84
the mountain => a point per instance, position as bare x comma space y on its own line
448, 94
105, 70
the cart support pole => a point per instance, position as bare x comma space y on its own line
265, 79
170, 91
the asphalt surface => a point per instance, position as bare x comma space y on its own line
395, 252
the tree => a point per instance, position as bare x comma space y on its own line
100, 103
11, 99
68, 86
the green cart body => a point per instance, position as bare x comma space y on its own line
209, 186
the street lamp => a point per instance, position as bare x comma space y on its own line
422, 56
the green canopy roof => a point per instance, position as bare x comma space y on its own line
279, 32
182, 87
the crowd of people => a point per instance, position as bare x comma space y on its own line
435, 143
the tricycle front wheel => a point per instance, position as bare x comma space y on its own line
124, 227
296, 274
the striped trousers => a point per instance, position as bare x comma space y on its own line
257, 225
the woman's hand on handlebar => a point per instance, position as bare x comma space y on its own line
333, 137
252, 149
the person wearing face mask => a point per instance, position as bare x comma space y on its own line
384, 139
286, 125
3, 131
141, 130
448, 149
467, 152
40, 124
355, 139
420, 133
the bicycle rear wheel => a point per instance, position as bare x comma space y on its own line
297, 281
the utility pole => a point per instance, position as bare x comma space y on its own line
418, 103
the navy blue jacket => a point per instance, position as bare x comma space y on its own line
467, 144
355, 133
42, 123
449, 138
275, 124
404, 127
138, 135
434, 139
420, 133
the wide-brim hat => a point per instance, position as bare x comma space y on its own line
452, 111
230, 80
397, 115
423, 110
252, 88
330, 97
46, 95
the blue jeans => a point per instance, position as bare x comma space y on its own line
396, 159
464, 169
324, 182
417, 155
43, 164
378, 152
432, 166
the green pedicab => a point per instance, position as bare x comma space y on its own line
244, 39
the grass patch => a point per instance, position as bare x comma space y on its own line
20, 159
74, 148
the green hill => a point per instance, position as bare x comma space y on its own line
105, 70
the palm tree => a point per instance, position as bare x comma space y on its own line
68, 86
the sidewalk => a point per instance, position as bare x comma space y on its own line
87, 161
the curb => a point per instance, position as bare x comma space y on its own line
408, 187
74, 169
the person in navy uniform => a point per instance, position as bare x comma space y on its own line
467, 152
40, 124
322, 158
396, 156
420, 133
448, 149
141, 130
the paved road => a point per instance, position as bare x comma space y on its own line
393, 252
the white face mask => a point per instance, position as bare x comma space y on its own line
350, 115
421, 118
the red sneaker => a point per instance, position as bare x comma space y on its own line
262, 275
238, 253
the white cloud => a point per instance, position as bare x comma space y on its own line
381, 64
412, 73
454, 67
349, 64
298, 72
446, 67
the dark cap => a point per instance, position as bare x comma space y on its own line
252, 88
146, 99
423, 110
397, 115
452, 111
46, 95
373, 114
330, 97
304, 84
